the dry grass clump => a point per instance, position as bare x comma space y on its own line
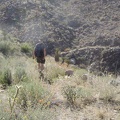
20, 75
107, 94
52, 71
106, 91
103, 113
78, 97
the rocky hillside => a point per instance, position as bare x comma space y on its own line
90, 28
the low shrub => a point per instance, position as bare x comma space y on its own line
71, 94
77, 96
20, 75
107, 94
26, 48
6, 77
30, 94
5, 47
54, 72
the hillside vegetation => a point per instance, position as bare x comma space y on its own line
81, 22
68, 25
25, 95
85, 33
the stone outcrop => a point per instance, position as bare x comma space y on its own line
96, 59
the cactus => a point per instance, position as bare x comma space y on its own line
57, 55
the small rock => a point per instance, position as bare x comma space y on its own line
69, 72
84, 77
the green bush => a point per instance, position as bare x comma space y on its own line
20, 75
77, 96
71, 94
26, 48
5, 48
6, 77
54, 72
29, 95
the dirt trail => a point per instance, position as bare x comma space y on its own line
63, 111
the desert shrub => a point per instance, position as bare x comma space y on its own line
107, 94
77, 96
30, 94
71, 94
85, 97
20, 75
26, 48
5, 47
6, 77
